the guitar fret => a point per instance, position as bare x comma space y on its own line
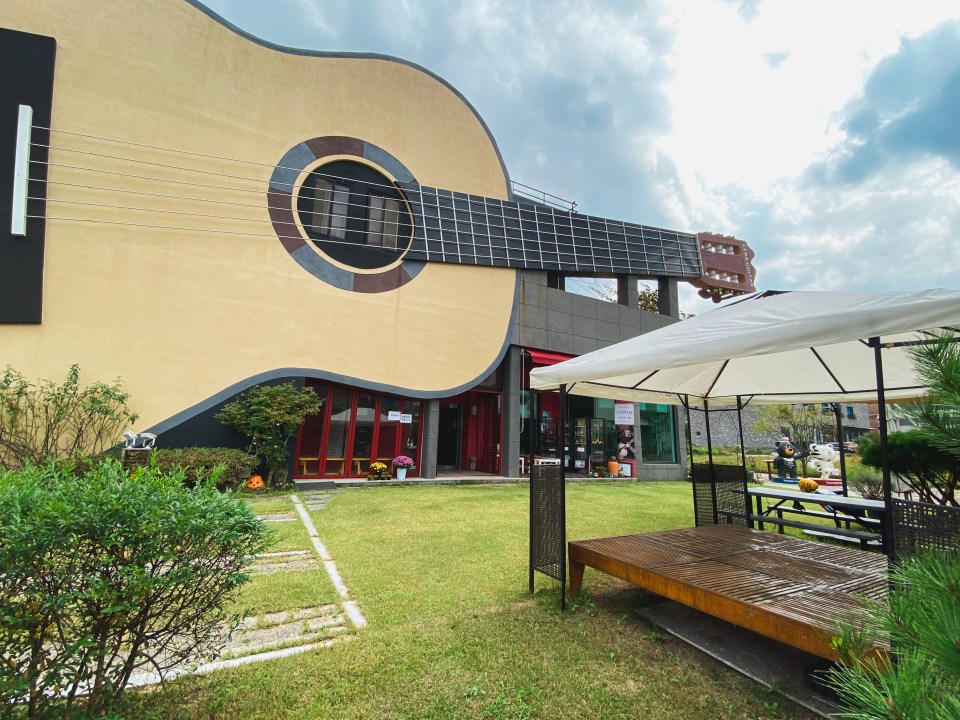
486, 219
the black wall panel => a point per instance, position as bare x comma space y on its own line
26, 78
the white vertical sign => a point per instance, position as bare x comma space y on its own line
21, 171
623, 413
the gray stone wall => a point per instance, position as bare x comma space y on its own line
724, 433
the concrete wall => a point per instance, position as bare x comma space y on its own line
559, 321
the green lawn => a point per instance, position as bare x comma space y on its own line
441, 574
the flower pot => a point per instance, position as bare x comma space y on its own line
401, 473
613, 468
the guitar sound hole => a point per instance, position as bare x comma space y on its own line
354, 215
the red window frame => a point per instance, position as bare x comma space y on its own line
348, 462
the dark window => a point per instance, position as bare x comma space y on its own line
383, 217
354, 214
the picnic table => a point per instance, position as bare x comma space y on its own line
844, 511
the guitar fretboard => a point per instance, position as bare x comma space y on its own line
469, 229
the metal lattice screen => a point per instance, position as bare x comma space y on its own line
923, 526
547, 522
719, 496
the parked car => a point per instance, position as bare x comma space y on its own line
848, 447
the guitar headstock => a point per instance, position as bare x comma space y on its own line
727, 267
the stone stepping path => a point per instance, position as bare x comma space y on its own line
286, 629
315, 499
285, 565
290, 516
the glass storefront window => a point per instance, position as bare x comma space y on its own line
363, 434
341, 415
410, 432
311, 437
658, 441
389, 433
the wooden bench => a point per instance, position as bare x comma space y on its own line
866, 539
837, 517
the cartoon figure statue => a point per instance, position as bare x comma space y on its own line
786, 460
824, 457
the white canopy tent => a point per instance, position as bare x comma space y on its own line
802, 346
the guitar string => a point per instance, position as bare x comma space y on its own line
532, 214
524, 214
553, 212
474, 246
181, 152
513, 255
564, 248
237, 160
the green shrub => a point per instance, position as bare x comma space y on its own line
865, 480
47, 419
107, 573
198, 461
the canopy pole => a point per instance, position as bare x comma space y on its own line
713, 478
685, 399
743, 459
840, 444
562, 422
534, 428
884, 452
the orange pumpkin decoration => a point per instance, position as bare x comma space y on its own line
254, 483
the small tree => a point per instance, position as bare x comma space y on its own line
938, 417
925, 468
47, 419
270, 415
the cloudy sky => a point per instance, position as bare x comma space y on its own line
824, 133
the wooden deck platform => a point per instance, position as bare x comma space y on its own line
788, 589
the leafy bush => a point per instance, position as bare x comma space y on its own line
197, 463
865, 480
922, 621
46, 419
269, 415
106, 575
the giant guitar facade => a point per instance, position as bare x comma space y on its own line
203, 211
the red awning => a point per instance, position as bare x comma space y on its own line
544, 358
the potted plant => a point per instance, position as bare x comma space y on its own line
402, 463
379, 471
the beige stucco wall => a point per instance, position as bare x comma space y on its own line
182, 312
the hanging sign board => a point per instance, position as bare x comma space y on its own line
393, 415
406, 419
623, 413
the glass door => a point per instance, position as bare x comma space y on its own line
448, 437
341, 416
363, 435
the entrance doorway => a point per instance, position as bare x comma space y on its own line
448, 436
